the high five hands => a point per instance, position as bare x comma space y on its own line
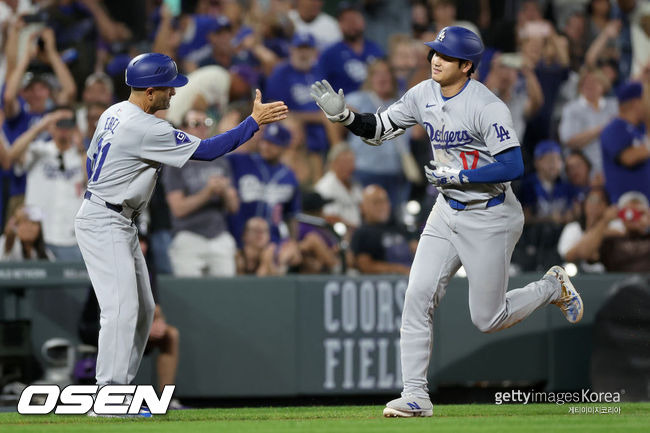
268, 113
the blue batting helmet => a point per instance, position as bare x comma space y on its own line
458, 42
153, 70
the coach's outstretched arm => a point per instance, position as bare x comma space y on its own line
214, 147
372, 128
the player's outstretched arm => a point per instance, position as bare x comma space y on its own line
268, 113
214, 147
372, 128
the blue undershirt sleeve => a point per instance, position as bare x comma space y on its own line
214, 147
509, 166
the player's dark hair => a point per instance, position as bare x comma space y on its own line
461, 65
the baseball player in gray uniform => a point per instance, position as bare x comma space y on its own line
476, 220
125, 155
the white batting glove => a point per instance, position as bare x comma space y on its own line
332, 103
441, 175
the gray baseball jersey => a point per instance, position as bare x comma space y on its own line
465, 131
126, 153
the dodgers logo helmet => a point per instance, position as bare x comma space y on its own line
458, 42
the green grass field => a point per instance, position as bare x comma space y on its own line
546, 418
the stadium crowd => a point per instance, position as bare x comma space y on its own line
303, 196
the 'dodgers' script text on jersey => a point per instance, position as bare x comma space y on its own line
465, 131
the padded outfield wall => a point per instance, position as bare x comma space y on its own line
320, 335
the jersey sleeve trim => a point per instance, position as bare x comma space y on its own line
189, 154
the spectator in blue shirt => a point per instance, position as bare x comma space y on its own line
545, 197
626, 145
344, 64
291, 81
267, 188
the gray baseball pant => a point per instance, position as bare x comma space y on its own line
117, 269
482, 240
